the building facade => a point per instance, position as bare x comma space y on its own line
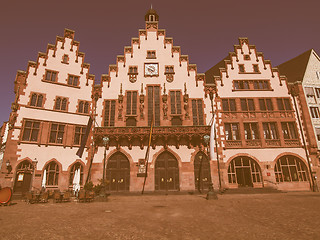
153, 86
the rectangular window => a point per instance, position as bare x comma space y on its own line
73, 80
169, 70
132, 102
56, 133
314, 112
175, 100
247, 105
51, 75
109, 113
61, 104
133, 70
261, 84
265, 104
241, 68
78, 134
154, 105
31, 131
241, 84
83, 107
232, 131
197, 112
36, 100
284, 104
229, 105
311, 98
289, 130
151, 54
270, 131
251, 131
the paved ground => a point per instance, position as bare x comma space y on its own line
232, 216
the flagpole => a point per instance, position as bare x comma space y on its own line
92, 143
147, 157
215, 138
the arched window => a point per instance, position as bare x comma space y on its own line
58, 104
40, 98
74, 168
80, 108
244, 171
33, 99
64, 104
290, 169
86, 107
52, 173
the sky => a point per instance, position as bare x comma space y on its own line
206, 30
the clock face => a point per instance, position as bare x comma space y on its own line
151, 69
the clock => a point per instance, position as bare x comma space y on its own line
151, 69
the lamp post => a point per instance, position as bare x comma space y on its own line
211, 194
105, 143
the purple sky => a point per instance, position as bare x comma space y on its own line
205, 30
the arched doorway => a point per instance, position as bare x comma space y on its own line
118, 172
202, 172
244, 171
166, 172
23, 177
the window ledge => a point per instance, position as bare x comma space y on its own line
61, 84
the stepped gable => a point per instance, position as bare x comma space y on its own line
227, 64
52, 51
295, 68
135, 41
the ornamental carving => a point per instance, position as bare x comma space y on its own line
175, 49
132, 77
135, 40
113, 68
128, 49
151, 25
184, 58
68, 33
168, 40
120, 58
169, 77
161, 32
192, 67
142, 32
141, 107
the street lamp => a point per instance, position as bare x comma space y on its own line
211, 194
105, 143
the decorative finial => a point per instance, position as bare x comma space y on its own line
141, 88
185, 88
151, 5
121, 89
164, 88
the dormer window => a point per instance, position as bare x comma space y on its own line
151, 54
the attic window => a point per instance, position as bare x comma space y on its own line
151, 18
246, 57
65, 58
241, 68
151, 54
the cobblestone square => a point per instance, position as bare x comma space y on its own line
292, 215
